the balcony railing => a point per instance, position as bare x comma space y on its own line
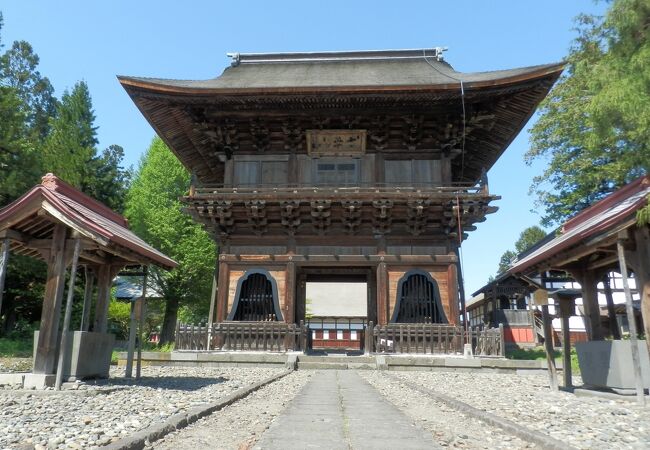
363, 188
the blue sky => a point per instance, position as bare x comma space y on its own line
95, 41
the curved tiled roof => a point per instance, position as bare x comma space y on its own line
83, 214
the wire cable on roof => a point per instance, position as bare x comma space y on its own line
462, 100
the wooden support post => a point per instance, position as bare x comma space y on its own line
548, 345
213, 300
369, 339
454, 299
4, 263
128, 372
63, 348
566, 310
641, 264
588, 284
103, 299
382, 294
143, 312
45, 359
613, 324
222, 292
88, 295
636, 362
290, 293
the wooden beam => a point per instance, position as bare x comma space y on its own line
4, 264
45, 359
290, 293
548, 346
104, 280
63, 348
13, 235
88, 295
222, 292
631, 319
382, 294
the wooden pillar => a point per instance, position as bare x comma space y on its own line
290, 293
4, 263
640, 261
613, 324
88, 296
222, 291
45, 359
548, 345
213, 299
103, 298
567, 308
636, 360
382, 294
452, 291
63, 348
588, 283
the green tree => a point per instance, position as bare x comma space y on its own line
70, 146
594, 126
527, 238
154, 212
109, 182
18, 70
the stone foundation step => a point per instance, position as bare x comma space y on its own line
316, 365
337, 359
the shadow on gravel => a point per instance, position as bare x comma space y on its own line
173, 383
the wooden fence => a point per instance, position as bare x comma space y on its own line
262, 336
391, 338
437, 339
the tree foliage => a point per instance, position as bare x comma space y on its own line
527, 238
154, 212
594, 127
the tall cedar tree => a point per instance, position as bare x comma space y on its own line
595, 125
70, 151
154, 212
527, 238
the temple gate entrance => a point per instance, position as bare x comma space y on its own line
337, 307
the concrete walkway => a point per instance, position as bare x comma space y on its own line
339, 410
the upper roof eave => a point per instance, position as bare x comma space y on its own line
471, 81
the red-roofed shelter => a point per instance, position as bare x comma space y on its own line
62, 226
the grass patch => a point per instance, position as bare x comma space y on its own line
16, 348
538, 353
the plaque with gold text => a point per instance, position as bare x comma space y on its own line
336, 142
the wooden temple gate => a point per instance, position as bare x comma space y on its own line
361, 162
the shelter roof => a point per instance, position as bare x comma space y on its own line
601, 220
29, 222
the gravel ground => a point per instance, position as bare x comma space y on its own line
583, 422
79, 419
239, 425
449, 427
13, 365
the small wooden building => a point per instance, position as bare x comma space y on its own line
341, 164
64, 227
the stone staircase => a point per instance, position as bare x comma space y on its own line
340, 362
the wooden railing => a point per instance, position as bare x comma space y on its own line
261, 336
437, 339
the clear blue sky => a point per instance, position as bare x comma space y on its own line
95, 41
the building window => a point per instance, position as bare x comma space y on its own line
256, 298
326, 334
260, 173
339, 335
336, 172
418, 299
413, 172
353, 335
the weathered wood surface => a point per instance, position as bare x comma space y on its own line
240, 336
436, 339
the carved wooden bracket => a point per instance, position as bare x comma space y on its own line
290, 216
417, 217
320, 213
382, 219
256, 213
351, 215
